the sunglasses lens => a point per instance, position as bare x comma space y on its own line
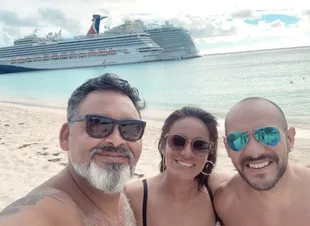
237, 140
98, 126
201, 147
132, 130
177, 142
269, 136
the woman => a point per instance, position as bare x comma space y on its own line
178, 195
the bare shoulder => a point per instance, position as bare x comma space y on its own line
227, 191
217, 179
302, 172
48, 206
134, 192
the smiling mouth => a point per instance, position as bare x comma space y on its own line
258, 165
185, 164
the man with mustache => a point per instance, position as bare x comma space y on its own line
102, 136
268, 190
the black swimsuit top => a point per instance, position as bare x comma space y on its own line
145, 196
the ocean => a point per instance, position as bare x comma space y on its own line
213, 82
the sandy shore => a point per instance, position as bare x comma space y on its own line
30, 153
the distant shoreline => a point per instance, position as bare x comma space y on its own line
254, 51
150, 113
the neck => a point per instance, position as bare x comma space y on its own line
179, 189
108, 204
281, 189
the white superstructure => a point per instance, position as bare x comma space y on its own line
176, 42
131, 42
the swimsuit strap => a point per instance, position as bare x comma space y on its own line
211, 198
144, 204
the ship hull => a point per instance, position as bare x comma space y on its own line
75, 63
7, 69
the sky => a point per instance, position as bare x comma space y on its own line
216, 26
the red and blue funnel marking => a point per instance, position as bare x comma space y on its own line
94, 28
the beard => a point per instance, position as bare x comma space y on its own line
263, 182
112, 177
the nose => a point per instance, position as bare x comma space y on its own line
187, 150
253, 148
115, 138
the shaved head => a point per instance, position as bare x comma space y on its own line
246, 107
260, 163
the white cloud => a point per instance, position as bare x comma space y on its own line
216, 23
245, 14
5, 38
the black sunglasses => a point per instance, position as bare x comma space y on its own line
178, 142
99, 126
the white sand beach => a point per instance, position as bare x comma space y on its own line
30, 152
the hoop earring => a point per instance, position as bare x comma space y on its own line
209, 162
164, 163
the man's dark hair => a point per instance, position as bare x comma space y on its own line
105, 82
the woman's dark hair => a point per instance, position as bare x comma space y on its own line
211, 123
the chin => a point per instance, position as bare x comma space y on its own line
262, 182
184, 175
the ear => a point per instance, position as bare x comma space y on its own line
226, 146
64, 137
291, 137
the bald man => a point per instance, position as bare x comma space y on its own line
268, 190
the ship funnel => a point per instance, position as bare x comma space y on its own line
95, 26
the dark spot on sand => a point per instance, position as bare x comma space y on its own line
63, 163
56, 154
6, 125
42, 153
25, 145
55, 160
44, 148
21, 123
139, 175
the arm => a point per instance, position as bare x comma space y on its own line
36, 209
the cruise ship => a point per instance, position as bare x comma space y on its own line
176, 42
130, 42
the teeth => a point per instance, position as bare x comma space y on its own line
185, 164
259, 166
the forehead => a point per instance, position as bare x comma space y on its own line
109, 103
250, 115
190, 127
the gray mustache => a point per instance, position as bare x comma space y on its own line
112, 149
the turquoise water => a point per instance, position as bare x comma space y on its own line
214, 82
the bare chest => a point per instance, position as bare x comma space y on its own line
188, 214
96, 221
123, 218
257, 216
